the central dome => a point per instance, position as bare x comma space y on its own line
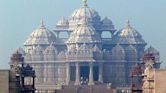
84, 11
80, 13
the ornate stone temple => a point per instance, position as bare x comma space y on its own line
84, 56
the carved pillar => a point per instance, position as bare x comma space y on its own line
91, 81
67, 73
77, 81
100, 72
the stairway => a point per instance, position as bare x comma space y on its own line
86, 89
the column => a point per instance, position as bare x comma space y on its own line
91, 81
69, 32
67, 73
77, 81
100, 72
58, 34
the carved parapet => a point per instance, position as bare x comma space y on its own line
98, 55
80, 55
61, 56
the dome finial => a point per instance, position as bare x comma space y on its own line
85, 2
42, 23
84, 20
127, 23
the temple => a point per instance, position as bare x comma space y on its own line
83, 49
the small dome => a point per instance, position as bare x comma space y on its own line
84, 33
107, 21
131, 53
40, 36
118, 53
50, 53
21, 51
118, 49
151, 50
17, 57
128, 35
37, 54
63, 22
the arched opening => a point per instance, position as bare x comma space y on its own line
84, 72
63, 35
106, 34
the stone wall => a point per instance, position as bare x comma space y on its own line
4, 81
160, 81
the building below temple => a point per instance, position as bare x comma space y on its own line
86, 57
154, 81
14, 80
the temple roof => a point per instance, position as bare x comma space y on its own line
128, 35
84, 11
107, 21
40, 36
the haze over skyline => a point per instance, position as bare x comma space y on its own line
20, 17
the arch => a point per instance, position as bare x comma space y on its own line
63, 35
106, 34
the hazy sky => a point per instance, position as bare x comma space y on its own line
18, 18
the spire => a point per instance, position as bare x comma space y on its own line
85, 18
85, 2
42, 24
127, 23
84, 21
